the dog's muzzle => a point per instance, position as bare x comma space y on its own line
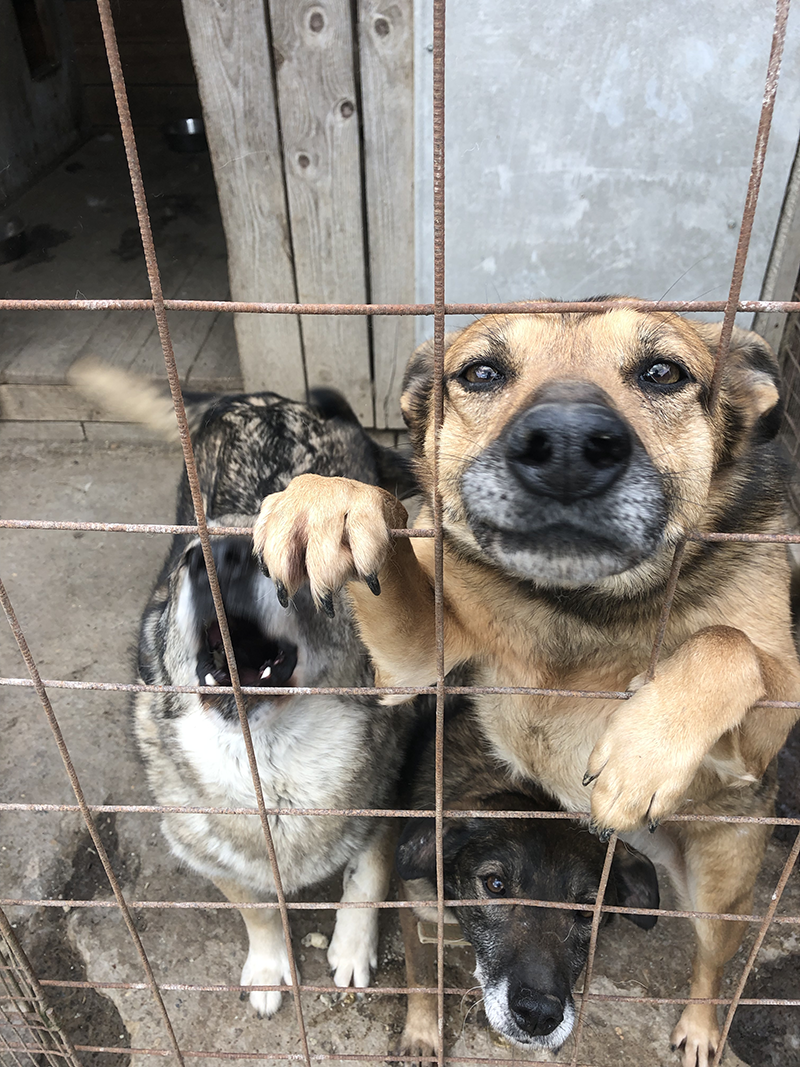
568, 450
537, 1014
567, 494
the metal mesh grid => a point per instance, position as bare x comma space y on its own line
42, 1038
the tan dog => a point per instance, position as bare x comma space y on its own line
575, 453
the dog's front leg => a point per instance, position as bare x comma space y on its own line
267, 960
334, 531
420, 1036
654, 744
354, 945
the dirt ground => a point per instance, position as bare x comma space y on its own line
78, 597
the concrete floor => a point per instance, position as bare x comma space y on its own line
78, 597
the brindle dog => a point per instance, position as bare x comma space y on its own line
576, 452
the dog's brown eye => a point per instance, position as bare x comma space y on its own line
495, 885
479, 374
664, 373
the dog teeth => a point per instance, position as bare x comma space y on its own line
266, 673
211, 680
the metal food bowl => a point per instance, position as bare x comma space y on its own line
186, 135
13, 238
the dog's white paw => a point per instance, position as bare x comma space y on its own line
262, 968
354, 947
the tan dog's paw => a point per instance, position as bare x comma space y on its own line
697, 1033
643, 764
326, 531
418, 1044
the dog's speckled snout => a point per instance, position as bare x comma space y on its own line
569, 449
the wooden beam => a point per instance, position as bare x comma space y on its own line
319, 119
233, 62
386, 50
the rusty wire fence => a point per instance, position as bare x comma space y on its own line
31, 1034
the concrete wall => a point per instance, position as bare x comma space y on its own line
601, 147
39, 116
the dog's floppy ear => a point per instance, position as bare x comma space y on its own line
750, 380
636, 883
416, 850
415, 402
394, 469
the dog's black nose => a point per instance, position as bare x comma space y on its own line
569, 450
538, 1014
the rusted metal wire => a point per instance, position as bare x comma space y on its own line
402, 690
438, 309
247, 531
160, 528
438, 418
762, 933
598, 914
316, 1057
450, 991
102, 855
669, 596
380, 813
24, 1008
513, 307
384, 905
159, 310
753, 187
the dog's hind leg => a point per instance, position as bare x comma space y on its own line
354, 945
267, 960
722, 863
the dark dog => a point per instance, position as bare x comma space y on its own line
527, 958
312, 751
576, 453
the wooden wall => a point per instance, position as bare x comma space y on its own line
309, 117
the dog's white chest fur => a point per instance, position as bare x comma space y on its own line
303, 750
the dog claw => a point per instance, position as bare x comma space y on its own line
373, 584
326, 603
262, 565
282, 593
653, 825
589, 778
605, 835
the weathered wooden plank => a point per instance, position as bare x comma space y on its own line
213, 369
386, 49
319, 123
233, 63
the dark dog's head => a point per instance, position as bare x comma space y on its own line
579, 448
527, 958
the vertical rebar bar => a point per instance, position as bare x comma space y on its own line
154, 277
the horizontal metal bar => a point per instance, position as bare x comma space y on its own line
247, 531
380, 813
382, 905
157, 528
519, 307
453, 991
397, 690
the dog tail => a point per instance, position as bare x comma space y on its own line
128, 397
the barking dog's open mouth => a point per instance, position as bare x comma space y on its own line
261, 660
